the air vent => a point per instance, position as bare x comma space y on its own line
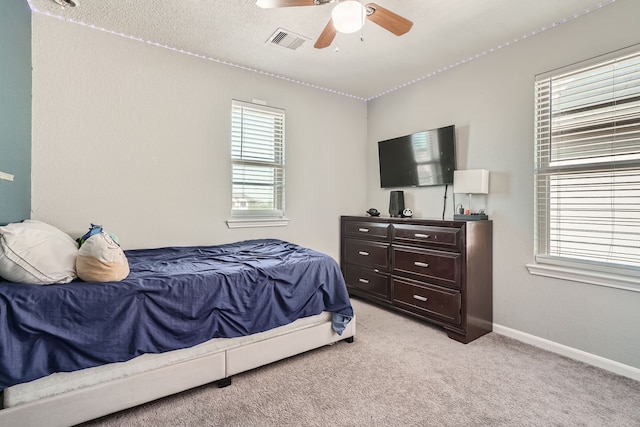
287, 39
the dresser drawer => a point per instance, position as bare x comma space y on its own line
423, 235
367, 254
432, 301
367, 230
442, 268
361, 279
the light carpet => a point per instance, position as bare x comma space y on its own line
404, 372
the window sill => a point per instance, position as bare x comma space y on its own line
257, 222
611, 280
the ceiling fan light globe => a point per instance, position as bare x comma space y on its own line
348, 16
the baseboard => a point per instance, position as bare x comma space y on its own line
572, 353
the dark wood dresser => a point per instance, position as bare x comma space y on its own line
438, 271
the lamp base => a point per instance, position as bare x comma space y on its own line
470, 217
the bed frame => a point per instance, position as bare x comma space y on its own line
94, 401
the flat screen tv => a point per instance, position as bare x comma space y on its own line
421, 159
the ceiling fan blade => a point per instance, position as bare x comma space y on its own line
268, 4
327, 36
388, 20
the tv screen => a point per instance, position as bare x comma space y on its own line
417, 160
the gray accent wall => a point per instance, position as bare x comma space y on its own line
15, 111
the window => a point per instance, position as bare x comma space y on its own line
587, 166
257, 157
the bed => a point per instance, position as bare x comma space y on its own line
184, 317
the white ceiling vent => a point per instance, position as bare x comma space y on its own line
288, 39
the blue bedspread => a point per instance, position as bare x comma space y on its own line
173, 298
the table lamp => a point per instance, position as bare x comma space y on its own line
475, 181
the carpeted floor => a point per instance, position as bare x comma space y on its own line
403, 372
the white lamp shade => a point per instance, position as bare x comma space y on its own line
348, 16
474, 181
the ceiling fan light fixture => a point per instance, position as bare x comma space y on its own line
348, 16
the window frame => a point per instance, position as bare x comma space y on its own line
265, 149
550, 265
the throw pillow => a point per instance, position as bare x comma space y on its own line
37, 253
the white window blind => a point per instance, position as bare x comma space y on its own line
257, 156
587, 172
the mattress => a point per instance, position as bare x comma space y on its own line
174, 298
62, 382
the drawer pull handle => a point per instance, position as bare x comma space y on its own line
422, 236
421, 264
363, 230
363, 281
420, 298
363, 253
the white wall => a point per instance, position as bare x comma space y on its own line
490, 100
136, 138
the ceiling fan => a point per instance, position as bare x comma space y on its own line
347, 17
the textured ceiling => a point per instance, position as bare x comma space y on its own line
445, 33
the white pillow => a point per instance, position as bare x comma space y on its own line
37, 253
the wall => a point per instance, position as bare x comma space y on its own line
490, 100
15, 111
136, 138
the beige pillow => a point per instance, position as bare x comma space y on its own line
36, 253
100, 259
